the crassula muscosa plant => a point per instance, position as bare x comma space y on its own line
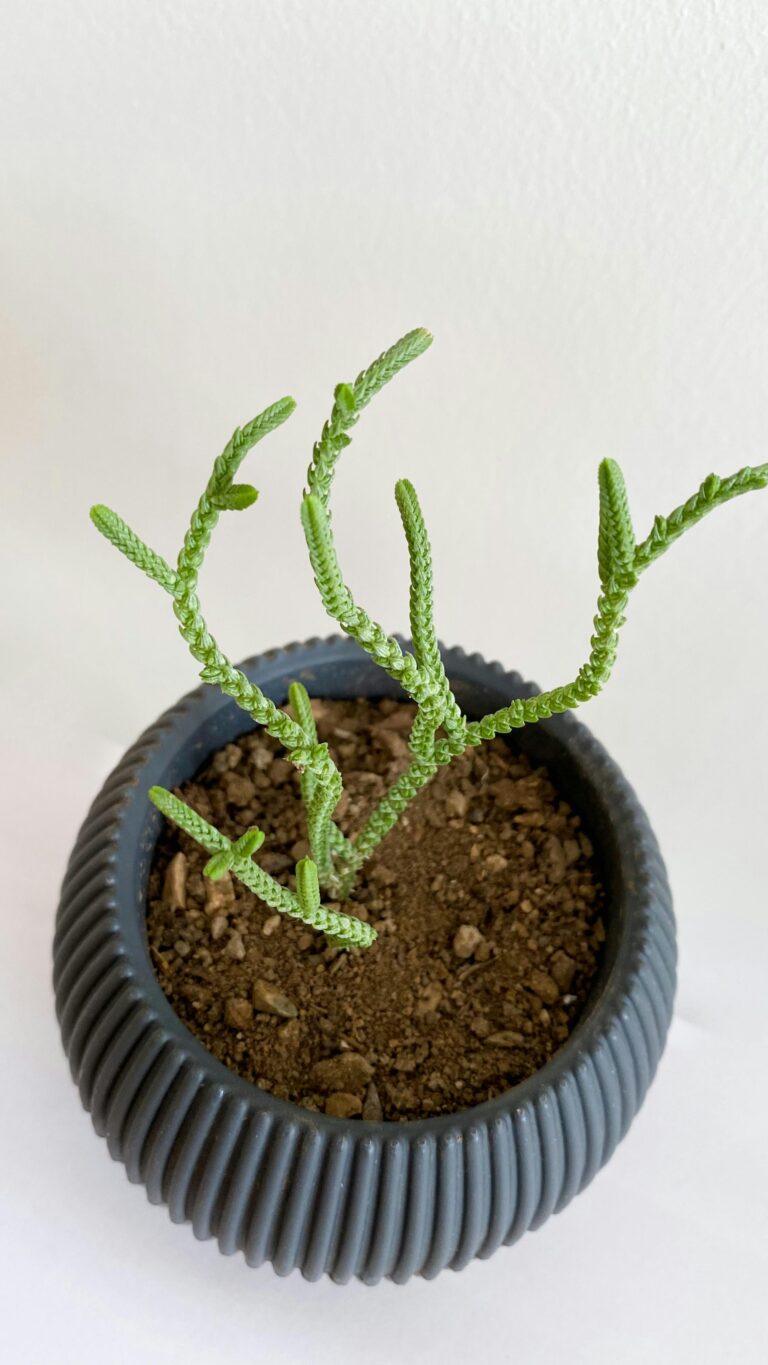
440, 731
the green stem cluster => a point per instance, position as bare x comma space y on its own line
304, 904
440, 732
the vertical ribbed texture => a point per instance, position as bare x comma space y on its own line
244, 1176
331, 1195
322, 1195
352, 1244
449, 1203
420, 1209
300, 1203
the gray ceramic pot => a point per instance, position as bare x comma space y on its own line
332, 1196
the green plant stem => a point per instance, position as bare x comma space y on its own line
386, 815
712, 493
319, 773
349, 402
305, 905
594, 674
325, 837
421, 673
440, 707
591, 677
338, 601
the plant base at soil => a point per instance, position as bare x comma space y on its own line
485, 896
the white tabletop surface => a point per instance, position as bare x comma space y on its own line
205, 206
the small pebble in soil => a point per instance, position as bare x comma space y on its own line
268, 1000
219, 894
236, 948
349, 1071
372, 1110
343, 1105
175, 884
456, 803
506, 1038
466, 940
238, 1012
544, 986
563, 969
495, 863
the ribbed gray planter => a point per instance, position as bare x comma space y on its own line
334, 1196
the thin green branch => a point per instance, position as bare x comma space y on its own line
387, 813
114, 529
423, 679
619, 572
319, 773
298, 698
615, 537
349, 401
340, 604
331, 840
611, 605
712, 493
303, 905
217, 668
442, 707
320, 810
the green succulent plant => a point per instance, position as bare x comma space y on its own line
440, 732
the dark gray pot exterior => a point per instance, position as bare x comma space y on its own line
331, 1196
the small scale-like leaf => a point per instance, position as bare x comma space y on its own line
302, 710
219, 864
307, 885
211, 673
345, 399
248, 843
237, 497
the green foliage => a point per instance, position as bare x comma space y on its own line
304, 904
439, 707
349, 401
124, 539
615, 537
714, 492
222, 862
624, 567
237, 498
328, 838
440, 731
339, 603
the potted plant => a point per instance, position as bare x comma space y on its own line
419, 1019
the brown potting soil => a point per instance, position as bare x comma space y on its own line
486, 902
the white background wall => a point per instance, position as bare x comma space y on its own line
206, 205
